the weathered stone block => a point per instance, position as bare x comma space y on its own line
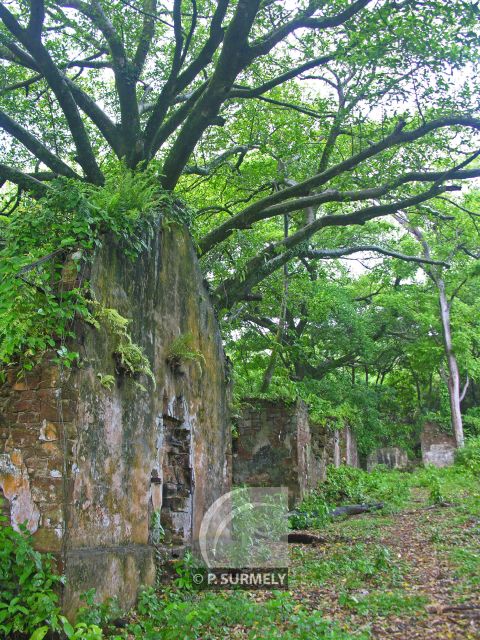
438, 447
274, 448
118, 446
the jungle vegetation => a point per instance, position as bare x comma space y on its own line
323, 153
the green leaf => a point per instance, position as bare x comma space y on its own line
39, 633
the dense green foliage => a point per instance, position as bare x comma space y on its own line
29, 592
27, 585
296, 136
469, 456
47, 245
363, 345
317, 148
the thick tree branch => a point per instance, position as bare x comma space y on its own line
23, 180
177, 117
126, 76
60, 88
321, 254
318, 372
257, 211
238, 91
146, 37
176, 85
231, 61
36, 147
207, 169
110, 131
305, 21
37, 17
178, 34
276, 255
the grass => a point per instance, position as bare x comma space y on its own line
374, 574
383, 603
359, 529
368, 576
467, 564
354, 566
214, 616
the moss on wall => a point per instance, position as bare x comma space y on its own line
109, 449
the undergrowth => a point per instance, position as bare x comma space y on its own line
49, 241
355, 567
469, 456
29, 587
367, 578
349, 485
214, 616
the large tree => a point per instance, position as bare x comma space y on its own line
367, 108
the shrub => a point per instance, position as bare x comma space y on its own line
345, 485
349, 485
436, 496
469, 456
97, 615
28, 592
27, 585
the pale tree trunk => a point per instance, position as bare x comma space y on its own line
453, 380
455, 393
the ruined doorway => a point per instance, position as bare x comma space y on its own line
177, 495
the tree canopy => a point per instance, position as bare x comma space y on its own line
291, 136
366, 107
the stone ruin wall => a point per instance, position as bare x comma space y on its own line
438, 447
278, 445
274, 448
341, 446
88, 467
390, 457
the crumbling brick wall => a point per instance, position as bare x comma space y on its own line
36, 431
88, 467
274, 448
438, 447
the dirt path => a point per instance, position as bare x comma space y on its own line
421, 540
432, 575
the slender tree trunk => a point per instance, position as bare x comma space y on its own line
453, 381
455, 394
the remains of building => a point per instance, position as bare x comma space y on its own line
95, 469
438, 447
278, 445
390, 457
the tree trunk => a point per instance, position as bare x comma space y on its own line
453, 382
